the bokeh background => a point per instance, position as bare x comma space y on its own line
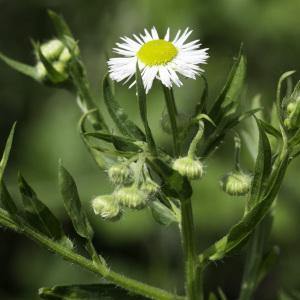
46, 132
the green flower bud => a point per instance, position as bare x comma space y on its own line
292, 121
52, 49
120, 174
150, 187
131, 197
59, 66
236, 183
65, 56
186, 166
41, 71
107, 208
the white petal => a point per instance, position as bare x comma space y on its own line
154, 33
167, 36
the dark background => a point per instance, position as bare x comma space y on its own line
46, 131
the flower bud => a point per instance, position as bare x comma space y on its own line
41, 71
191, 168
150, 187
292, 121
120, 174
52, 49
236, 183
65, 56
131, 197
107, 208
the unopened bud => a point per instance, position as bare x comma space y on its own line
107, 208
292, 121
41, 71
52, 49
150, 187
131, 197
120, 174
236, 183
191, 168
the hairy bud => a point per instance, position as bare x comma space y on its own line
292, 121
131, 197
107, 208
120, 174
150, 187
236, 183
191, 168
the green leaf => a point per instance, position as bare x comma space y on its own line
143, 110
117, 113
72, 204
20, 67
61, 27
162, 214
39, 216
232, 88
263, 167
87, 292
240, 232
174, 185
8, 203
6, 151
120, 143
270, 129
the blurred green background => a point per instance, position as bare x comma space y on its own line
46, 131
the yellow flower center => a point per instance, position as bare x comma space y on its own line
157, 52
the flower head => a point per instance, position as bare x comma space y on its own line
107, 208
236, 183
157, 58
191, 168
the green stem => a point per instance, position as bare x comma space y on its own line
196, 140
172, 112
99, 269
193, 282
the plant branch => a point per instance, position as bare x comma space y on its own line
99, 269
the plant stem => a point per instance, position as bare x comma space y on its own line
172, 112
100, 269
193, 146
192, 268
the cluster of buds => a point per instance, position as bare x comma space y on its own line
57, 55
292, 120
133, 189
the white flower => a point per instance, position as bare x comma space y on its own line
157, 58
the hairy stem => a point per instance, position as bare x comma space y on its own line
192, 268
97, 268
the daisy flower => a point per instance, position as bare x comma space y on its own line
157, 58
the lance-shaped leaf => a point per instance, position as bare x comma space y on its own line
240, 232
162, 214
20, 67
6, 151
73, 205
263, 167
141, 94
232, 88
39, 216
87, 292
61, 27
8, 203
117, 113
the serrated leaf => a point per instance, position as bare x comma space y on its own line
20, 67
87, 292
39, 216
117, 113
162, 214
73, 205
141, 95
263, 167
6, 151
